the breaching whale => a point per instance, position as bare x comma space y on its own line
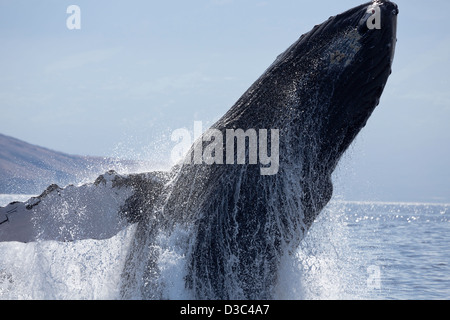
231, 222
318, 94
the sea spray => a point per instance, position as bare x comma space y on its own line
83, 269
323, 267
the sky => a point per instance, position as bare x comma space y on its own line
137, 70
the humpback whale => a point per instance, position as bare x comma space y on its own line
318, 95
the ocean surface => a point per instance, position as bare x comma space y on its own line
355, 250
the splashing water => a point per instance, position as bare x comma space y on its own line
85, 269
322, 267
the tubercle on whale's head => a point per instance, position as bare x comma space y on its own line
363, 77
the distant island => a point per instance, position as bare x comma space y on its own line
29, 169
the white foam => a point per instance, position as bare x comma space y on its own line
84, 269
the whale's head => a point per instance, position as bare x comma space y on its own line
328, 84
355, 52
369, 47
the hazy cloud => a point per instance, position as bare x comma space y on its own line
80, 60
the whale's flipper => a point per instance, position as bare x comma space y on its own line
96, 210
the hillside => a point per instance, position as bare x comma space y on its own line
30, 169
